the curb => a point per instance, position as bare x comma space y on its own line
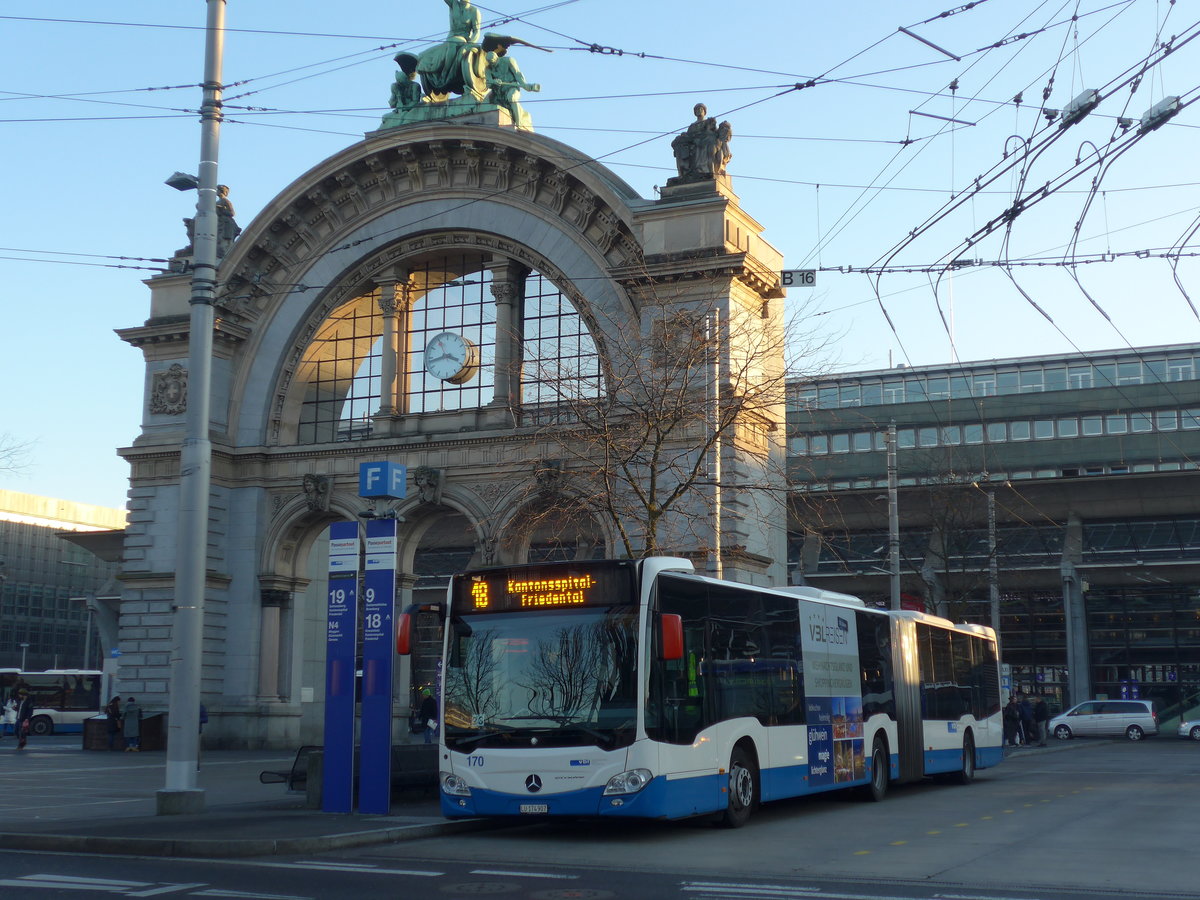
208, 849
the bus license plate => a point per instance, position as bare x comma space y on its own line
534, 808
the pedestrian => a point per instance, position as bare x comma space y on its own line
1012, 722
429, 715
24, 715
1028, 726
131, 725
8, 719
1041, 717
112, 712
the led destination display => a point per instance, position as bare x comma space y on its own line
547, 587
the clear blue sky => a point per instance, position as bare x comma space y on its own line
94, 115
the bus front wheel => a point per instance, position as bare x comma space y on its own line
967, 773
41, 725
743, 789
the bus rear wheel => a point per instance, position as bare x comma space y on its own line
41, 725
877, 787
743, 789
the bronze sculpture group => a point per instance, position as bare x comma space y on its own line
479, 71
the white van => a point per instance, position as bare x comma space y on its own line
1135, 719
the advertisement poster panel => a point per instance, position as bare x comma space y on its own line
337, 793
379, 649
833, 695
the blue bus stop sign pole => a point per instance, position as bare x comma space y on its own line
379, 591
337, 787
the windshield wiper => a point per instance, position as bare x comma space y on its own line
467, 739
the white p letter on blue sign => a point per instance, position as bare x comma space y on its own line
382, 479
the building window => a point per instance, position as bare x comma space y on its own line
1189, 419
818, 444
1018, 431
840, 443
1006, 382
1080, 377
939, 388
1068, 428
973, 434
798, 446
1092, 426
1166, 420
1116, 424
985, 385
1055, 378
927, 437
893, 392
906, 438
862, 441
951, 435
1031, 381
1043, 429
1129, 372
997, 432
1141, 422
1179, 369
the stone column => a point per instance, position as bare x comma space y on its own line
508, 289
388, 354
273, 603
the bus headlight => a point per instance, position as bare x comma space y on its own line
455, 786
629, 782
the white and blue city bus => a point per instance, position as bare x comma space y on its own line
62, 698
639, 688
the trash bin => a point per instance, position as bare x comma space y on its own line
95, 734
154, 732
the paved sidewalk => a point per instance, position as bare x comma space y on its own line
55, 796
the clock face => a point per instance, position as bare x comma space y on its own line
451, 357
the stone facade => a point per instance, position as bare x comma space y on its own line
333, 272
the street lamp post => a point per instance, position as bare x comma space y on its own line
181, 793
24, 648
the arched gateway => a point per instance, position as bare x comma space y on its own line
444, 296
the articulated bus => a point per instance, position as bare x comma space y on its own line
62, 698
639, 688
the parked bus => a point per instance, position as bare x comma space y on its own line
62, 698
639, 688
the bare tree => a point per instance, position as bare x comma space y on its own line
13, 453
690, 416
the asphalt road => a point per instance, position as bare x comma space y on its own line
1092, 819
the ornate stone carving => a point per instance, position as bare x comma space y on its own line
317, 492
547, 474
428, 481
169, 390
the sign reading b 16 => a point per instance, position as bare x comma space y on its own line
798, 278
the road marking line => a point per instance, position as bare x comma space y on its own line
168, 889
519, 874
246, 895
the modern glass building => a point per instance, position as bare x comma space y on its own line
1065, 486
47, 582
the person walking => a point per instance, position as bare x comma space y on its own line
8, 719
429, 715
1041, 718
1028, 726
112, 712
131, 725
1012, 722
24, 716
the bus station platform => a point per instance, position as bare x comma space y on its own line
56, 796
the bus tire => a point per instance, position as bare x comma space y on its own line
41, 726
967, 773
743, 789
876, 789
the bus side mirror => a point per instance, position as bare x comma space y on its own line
671, 627
404, 634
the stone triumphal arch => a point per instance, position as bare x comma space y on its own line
441, 295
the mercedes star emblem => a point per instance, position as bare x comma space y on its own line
533, 784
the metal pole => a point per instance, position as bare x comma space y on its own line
181, 794
893, 519
993, 571
716, 566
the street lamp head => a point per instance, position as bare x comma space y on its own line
181, 181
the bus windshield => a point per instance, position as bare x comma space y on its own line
555, 678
